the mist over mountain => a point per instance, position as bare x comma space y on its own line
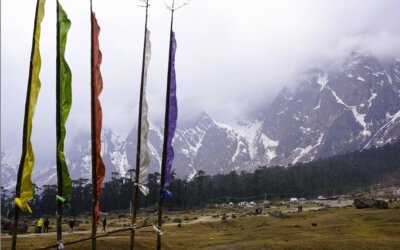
353, 106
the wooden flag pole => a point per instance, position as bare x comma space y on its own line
172, 8
93, 135
24, 135
58, 128
166, 129
135, 191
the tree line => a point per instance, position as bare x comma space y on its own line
336, 175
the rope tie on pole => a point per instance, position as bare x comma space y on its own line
60, 244
166, 194
63, 201
143, 188
158, 230
23, 205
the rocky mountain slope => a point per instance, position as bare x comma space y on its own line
354, 106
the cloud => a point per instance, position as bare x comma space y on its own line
233, 56
382, 45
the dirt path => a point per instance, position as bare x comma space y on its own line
199, 220
29, 235
37, 235
42, 235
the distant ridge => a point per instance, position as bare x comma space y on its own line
355, 106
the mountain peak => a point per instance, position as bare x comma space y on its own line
205, 117
286, 93
202, 120
356, 60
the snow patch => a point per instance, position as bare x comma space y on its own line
367, 67
269, 145
282, 112
223, 125
371, 99
87, 166
192, 175
154, 153
360, 118
322, 80
389, 78
158, 132
239, 149
118, 157
393, 119
271, 154
268, 142
9, 158
199, 133
249, 131
305, 130
380, 73
360, 79
288, 98
306, 150
319, 105
338, 99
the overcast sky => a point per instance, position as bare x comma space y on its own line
233, 55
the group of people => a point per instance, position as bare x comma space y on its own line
43, 224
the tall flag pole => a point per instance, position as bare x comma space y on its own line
63, 106
171, 116
98, 168
24, 189
142, 150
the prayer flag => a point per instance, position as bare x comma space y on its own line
24, 188
97, 87
144, 135
65, 99
173, 114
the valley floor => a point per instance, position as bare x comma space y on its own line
331, 228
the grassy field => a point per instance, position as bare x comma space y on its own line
333, 228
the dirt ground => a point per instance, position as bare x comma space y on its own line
326, 228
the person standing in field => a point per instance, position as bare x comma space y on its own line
104, 224
11, 227
71, 225
40, 225
46, 225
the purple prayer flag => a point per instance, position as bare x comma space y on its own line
173, 114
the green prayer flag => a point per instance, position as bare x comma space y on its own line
65, 101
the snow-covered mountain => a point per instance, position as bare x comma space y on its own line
331, 112
9, 168
354, 106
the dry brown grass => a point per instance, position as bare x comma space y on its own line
345, 228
